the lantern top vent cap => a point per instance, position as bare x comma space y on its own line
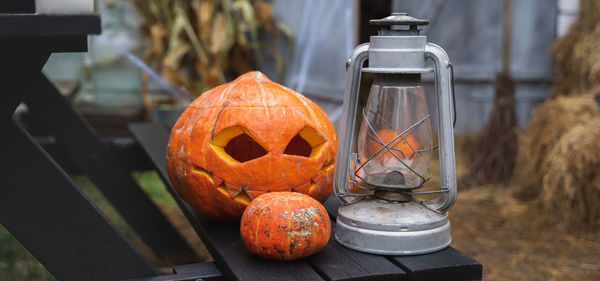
399, 19
396, 21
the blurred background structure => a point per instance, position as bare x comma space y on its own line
313, 41
154, 56
472, 34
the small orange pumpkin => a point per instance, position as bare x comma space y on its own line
285, 226
246, 138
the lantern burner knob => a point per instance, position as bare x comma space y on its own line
396, 24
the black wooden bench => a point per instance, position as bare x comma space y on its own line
334, 262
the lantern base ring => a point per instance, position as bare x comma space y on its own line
392, 228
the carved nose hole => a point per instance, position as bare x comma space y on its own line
243, 148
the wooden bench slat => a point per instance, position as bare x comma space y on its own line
55, 221
154, 139
22, 25
448, 264
101, 164
241, 264
332, 205
337, 262
206, 271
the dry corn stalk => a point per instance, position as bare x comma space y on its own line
198, 44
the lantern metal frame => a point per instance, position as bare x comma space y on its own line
396, 223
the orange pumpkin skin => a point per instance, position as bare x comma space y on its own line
261, 118
285, 226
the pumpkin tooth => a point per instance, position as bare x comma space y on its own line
232, 190
217, 180
201, 171
243, 198
222, 189
312, 186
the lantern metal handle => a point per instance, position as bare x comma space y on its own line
354, 65
445, 95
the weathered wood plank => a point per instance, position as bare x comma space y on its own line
48, 213
17, 6
206, 271
237, 263
336, 262
448, 264
332, 205
51, 110
27, 25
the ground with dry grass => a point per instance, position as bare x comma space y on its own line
515, 240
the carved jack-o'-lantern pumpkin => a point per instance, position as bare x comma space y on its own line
246, 138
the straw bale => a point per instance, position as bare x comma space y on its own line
571, 182
576, 55
558, 163
572, 86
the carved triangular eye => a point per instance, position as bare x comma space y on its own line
307, 143
298, 146
236, 145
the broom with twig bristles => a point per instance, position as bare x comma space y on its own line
497, 146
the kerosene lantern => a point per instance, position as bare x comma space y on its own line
385, 147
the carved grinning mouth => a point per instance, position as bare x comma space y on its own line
243, 194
